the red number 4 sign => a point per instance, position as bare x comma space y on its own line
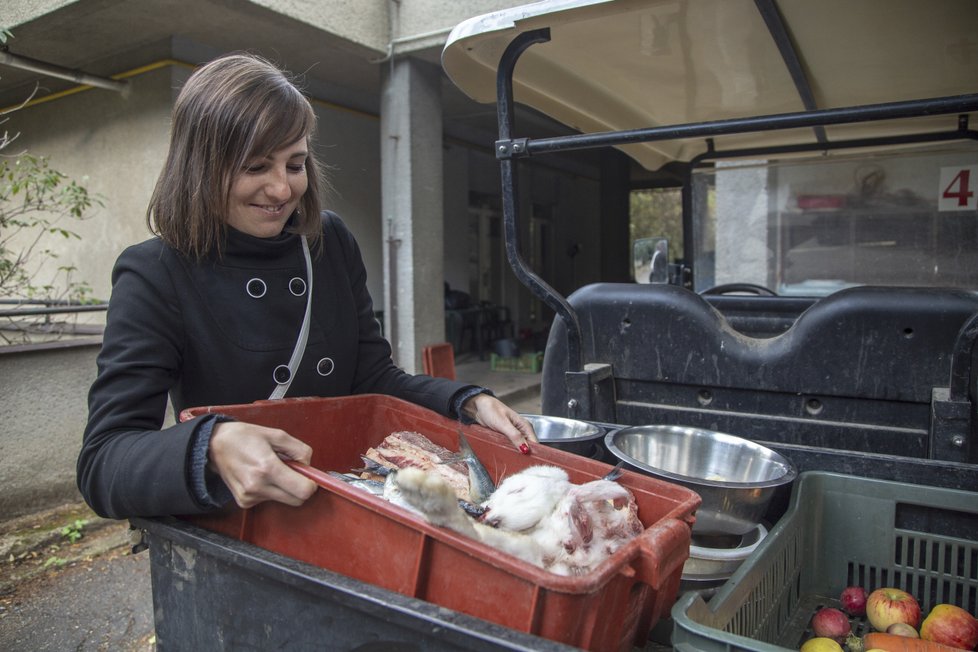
957, 189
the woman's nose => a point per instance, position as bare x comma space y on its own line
277, 185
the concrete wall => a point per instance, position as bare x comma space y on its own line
364, 23
16, 12
117, 147
409, 23
348, 142
42, 417
456, 209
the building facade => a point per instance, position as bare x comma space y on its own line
410, 158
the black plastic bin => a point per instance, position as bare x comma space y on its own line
212, 592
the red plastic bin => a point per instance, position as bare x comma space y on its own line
349, 531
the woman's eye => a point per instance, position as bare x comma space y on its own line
300, 167
252, 169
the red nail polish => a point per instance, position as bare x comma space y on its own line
524, 449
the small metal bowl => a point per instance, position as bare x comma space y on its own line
735, 477
571, 435
706, 561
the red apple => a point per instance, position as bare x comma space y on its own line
888, 605
853, 600
950, 625
831, 623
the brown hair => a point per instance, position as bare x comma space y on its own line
230, 110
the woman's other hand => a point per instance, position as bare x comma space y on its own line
492, 413
249, 460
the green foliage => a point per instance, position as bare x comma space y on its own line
5, 34
35, 199
657, 213
73, 531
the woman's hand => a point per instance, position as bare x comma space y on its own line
249, 460
492, 413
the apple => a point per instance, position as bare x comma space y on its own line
902, 629
831, 623
888, 605
821, 644
853, 600
950, 625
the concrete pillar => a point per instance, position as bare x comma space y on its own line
412, 208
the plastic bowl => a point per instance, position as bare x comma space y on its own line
571, 435
735, 477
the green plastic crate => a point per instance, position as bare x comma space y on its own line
839, 530
530, 363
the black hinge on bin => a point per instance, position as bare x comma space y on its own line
591, 393
950, 420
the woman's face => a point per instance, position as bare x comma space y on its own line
266, 191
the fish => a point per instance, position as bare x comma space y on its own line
372, 467
614, 473
481, 486
375, 487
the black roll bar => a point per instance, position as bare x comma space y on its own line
523, 147
510, 192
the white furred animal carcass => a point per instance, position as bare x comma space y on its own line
537, 515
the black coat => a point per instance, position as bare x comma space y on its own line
193, 330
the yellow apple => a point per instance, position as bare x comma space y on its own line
889, 605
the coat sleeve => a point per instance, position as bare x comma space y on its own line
129, 465
376, 371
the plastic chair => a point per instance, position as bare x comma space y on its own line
439, 360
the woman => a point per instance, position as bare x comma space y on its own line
249, 292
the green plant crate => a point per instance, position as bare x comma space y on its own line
840, 530
530, 363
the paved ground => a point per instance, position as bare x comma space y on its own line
91, 594
55, 594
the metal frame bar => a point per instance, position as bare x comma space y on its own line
523, 147
775, 25
21, 62
33, 312
510, 197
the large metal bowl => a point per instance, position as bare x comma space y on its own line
735, 477
578, 437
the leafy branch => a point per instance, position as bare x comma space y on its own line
35, 202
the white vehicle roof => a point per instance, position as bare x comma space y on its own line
614, 65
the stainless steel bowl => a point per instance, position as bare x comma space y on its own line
578, 437
714, 562
735, 477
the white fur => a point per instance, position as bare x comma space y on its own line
537, 515
523, 499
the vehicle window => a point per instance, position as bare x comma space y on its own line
811, 227
655, 213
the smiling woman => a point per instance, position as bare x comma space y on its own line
250, 292
267, 191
